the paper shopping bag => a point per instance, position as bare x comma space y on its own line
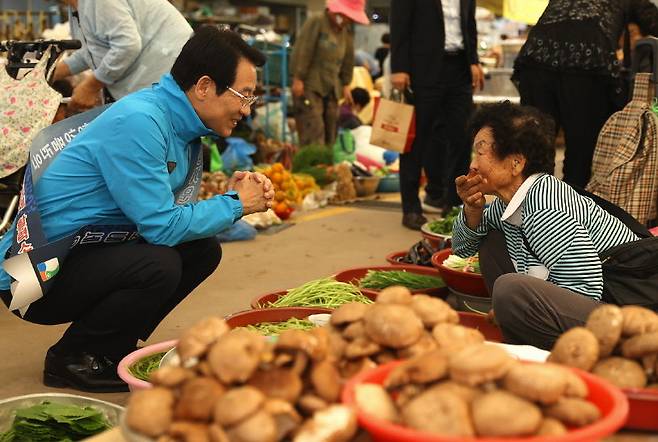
393, 125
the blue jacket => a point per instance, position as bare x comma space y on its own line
115, 172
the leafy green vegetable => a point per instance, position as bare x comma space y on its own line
276, 328
382, 171
143, 368
56, 422
469, 265
326, 292
314, 160
444, 226
380, 279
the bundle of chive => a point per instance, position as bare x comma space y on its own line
276, 328
325, 292
143, 368
380, 279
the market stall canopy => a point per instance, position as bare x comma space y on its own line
524, 11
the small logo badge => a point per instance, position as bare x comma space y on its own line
48, 269
171, 165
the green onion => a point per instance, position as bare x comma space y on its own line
380, 279
276, 328
143, 368
326, 292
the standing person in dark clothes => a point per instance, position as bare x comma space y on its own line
382, 52
568, 68
434, 52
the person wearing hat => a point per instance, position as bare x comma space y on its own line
434, 52
322, 63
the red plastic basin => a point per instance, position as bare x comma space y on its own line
256, 316
464, 282
394, 258
354, 276
643, 403
261, 301
436, 240
472, 320
609, 399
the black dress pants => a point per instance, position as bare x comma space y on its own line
580, 104
528, 310
114, 295
441, 146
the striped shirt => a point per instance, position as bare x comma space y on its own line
565, 230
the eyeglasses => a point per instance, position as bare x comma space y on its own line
246, 101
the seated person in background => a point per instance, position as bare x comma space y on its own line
347, 113
125, 172
539, 240
363, 58
382, 52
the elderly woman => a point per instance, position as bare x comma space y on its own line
539, 240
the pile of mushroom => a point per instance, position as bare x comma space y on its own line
619, 344
479, 390
233, 381
397, 326
234, 386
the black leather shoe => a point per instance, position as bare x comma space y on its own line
82, 371
413, 221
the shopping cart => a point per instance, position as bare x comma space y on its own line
22, 56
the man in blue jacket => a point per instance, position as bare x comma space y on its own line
127, 168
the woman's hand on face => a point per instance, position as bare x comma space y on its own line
469, 190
